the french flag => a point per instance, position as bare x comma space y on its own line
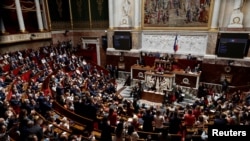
176, 43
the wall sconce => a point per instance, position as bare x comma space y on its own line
66, 33
121, 56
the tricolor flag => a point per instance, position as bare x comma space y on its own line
176, 43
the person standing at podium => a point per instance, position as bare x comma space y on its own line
159, 68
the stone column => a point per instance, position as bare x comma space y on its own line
215, 16
111, 14
39, 15
137, 13
110, 34
20, 16
2, 26
136, 40
44, 17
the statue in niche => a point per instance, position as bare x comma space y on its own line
237, 15
126, 7
165, 84
238, 4
125, 13
59, 7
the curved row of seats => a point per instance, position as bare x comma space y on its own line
80, 123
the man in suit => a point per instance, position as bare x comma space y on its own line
2, 83
37, 129
220, 119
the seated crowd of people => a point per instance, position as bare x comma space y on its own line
89, 91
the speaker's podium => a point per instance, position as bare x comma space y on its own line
157, 83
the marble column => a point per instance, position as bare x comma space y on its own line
110, 34
44, 17
2, 26
20, 16
47, 14
215, 16
137, 13
39, 15
136, 40
111, 14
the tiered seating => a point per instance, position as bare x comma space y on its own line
85, 122
79, 124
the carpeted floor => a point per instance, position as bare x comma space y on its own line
125, 93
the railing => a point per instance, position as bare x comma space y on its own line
75, 117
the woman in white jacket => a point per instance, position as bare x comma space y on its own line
132, 135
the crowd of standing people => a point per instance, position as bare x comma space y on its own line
90, 91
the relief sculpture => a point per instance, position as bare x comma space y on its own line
187, 44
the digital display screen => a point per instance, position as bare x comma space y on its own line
122, 41
232, 47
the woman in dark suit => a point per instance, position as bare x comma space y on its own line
106, 130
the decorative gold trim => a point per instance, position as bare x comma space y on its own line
214, 29
41, 30
111, 28
23, 31
137, 28
211, 15
90, 18
70, 13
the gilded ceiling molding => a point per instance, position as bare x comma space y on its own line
99, 8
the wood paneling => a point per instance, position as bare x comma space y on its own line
128, 60
153, 97
211, 73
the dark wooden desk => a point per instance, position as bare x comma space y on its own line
137, 71
187, 79
177, 76
152, 96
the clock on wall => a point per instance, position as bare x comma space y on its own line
227, 69
121, 58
